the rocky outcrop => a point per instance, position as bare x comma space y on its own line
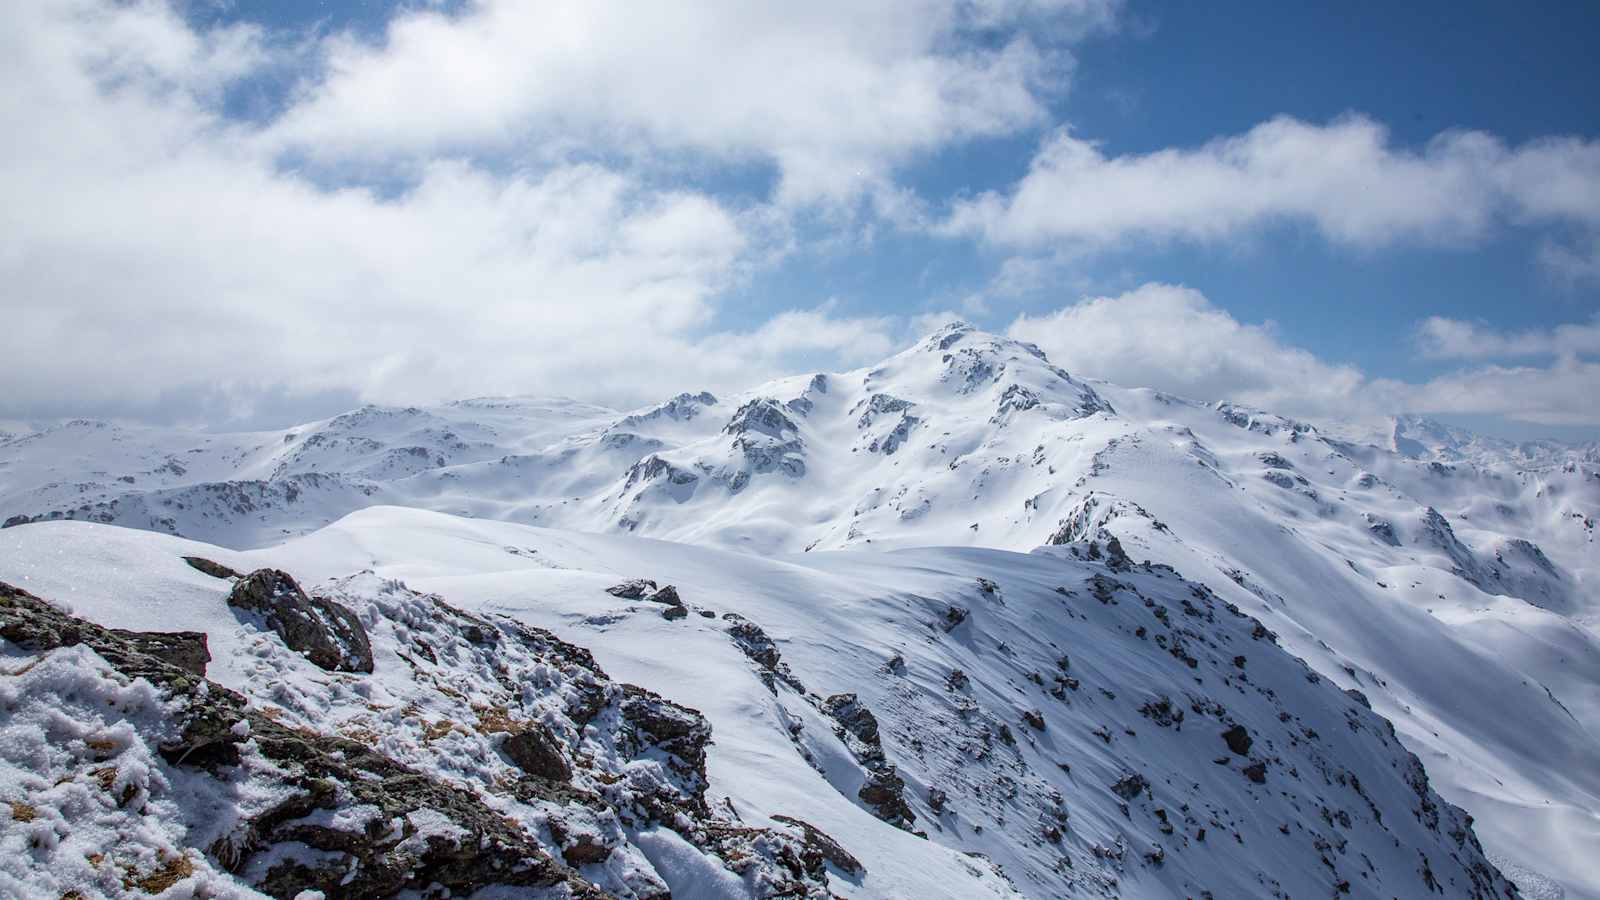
760, 649
214, 569
188, 650
348, 820
536, 751
323, 631
357, 810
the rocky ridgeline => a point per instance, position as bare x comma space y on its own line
567, 765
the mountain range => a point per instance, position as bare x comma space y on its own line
985, 626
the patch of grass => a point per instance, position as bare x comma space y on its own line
170, 873
436, 730
496, 720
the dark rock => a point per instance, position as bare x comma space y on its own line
1130, 786
214, 569
585, 850
1256, 772
679, 730
633, 589
296, 845
316, 775
185, 649
1238, 740
753, 642
326, 633
1162, 712
954, 616
937, 799
672, 613
535, 751
761, 650
957, 680
853, 717
1034, 718
884, 792
1116, 559
831, 850
667, 595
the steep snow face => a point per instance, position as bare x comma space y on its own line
1357, 552
1066, 722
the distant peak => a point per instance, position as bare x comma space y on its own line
948, 335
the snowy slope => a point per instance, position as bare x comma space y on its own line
1359, 551
1063, 722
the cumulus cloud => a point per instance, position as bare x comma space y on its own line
1173, 338
1443, 338
1346, 180
156, 252
835, 94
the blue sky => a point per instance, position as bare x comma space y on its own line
1357, 211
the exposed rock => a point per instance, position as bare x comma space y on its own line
1256, 772
214, 569
632, 589
831, 850
1034, 718
1130, 786
354, 822
761, 650
187, 650
326, 633
536, 752
953, 616
319, 777
884, 791
667, 595
1238, 740
857, 727
672, 613
1116, 559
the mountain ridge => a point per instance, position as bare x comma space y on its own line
1353, 552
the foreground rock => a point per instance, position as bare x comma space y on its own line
325, 632
286, 809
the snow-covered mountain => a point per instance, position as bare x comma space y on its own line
945, 723
1448, 578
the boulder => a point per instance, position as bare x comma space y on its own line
1238, 740
632, 589
214, 569
326, 633
535, 751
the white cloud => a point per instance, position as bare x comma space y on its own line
834, 93
1443, 338
1573, 263
1346, 180
151, 251
1172, 338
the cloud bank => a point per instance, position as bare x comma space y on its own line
533, 198
1344, 180
1173, 338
